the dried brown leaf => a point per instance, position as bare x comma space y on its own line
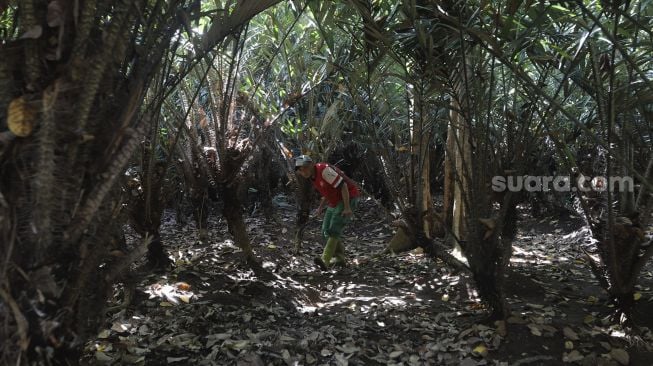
20, 117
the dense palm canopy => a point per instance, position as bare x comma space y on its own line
101, 99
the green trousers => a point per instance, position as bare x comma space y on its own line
332, 227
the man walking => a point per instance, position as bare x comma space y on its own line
340, 193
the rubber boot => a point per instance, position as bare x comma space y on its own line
339, 255
329, 249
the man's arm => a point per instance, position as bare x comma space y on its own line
344, 189
320, 208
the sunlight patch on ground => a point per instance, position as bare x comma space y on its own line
243, 276
533, 256
524, 260
446, 280
227, 243
578, 234
472, 294
355, 302
285, 281
171, 294
305, 308
269, 265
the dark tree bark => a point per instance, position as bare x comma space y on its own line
263, 180
304, 196
233, 207
75, 91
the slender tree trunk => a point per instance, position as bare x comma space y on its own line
233, 212
304, 197
643, 195
263, 182
462, 173
231, 163
426, 201
200, 201
420, 148
449, 182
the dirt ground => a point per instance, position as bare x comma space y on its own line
406, 309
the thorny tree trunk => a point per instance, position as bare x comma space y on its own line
617, 223
147, 225
485, 235
233, 207
488, 244
61, 187
486, 251
200, 163
268, 178
196, 180
233, 213
262, 163
148, 195
199, 198
621, 246
79, 85
201, 167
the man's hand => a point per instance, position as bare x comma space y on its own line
320, 209
347, 212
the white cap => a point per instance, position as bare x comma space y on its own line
302, 160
